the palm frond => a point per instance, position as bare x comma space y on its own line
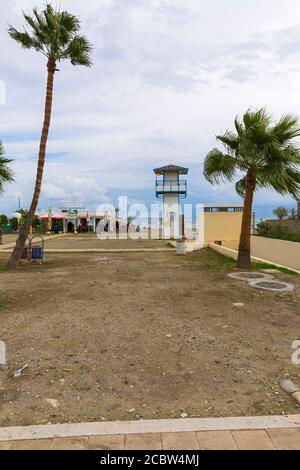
50, 17
290, 155
240, 187
42, 31
31, 21
285, 183
39, 18
55, 34
70, 22
239, 127
219, 167
259, 118
286, 129
229, 139
79, 51
6, 174
23, 38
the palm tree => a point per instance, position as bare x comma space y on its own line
6, 175
281, 212
292, 213
55, 34
263, 155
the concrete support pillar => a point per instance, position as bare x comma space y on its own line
171, 217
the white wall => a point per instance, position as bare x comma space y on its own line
268, 250
276, 251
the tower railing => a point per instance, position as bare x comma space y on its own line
171, 187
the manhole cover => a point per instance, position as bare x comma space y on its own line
254, 276
249, 276
273, 285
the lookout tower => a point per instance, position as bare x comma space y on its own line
170, 188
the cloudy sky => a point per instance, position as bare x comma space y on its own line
168, 76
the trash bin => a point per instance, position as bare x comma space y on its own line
36, 253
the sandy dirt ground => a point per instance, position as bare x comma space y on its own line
8, 239
142, 335
90, 241
83, 241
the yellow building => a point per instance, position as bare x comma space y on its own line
222, 224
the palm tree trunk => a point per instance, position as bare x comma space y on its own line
244, 255
20, 243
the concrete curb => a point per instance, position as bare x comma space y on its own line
50, 431
105, 250
111, 250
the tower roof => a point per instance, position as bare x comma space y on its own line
163, 169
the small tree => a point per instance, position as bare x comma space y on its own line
3, 219
14, 224
24, 213
263, 229
281, 213
293, 213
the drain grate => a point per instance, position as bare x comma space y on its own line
249, 276
253, 276
273, 286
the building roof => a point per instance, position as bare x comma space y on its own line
45, 215
163, 169
223, 205
78, 215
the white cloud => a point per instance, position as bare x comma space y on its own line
2, 93
168, 76
52, 191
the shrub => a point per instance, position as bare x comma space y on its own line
276, 231
14, 224
263, 229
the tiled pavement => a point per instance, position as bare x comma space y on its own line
262, 439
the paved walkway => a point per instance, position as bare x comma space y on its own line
280, 433
263, 439
103, 250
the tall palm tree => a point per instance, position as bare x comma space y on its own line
263, 155
6, 174
55, 34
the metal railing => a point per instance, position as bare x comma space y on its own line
171, 187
